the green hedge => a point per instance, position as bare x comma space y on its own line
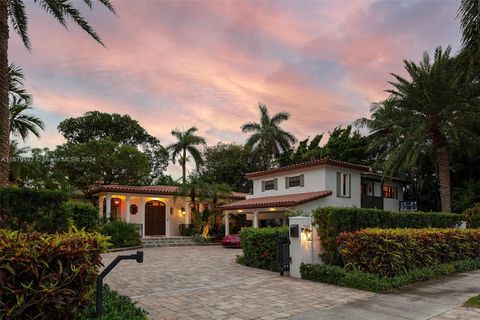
27, 209
115, 307
83, 215
259, 247
47, 276
389, 252
332, 221
339, 276
121, 234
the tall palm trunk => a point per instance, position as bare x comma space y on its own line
440, 143
184, 167
5, 124
444, 177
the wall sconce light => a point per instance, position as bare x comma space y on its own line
307, 234
183, 210
116, 202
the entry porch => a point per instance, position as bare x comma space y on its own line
255, 217
154, 215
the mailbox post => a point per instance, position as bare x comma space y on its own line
136, 256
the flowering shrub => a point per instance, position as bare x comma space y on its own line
47, 276
390, 252
260, 246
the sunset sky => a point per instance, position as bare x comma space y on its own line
207, 64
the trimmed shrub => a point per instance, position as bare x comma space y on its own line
26, 209
115, 307
331, 221
390, 252
83, 215
47, 276
121, 234
339, 276
260, 246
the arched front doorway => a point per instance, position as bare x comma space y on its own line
155, 218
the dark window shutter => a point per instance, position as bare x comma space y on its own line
263, 186
275, 184
287, 183
339, 182
349, 185
302, 180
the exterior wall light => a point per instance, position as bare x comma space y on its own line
183, 210
116, 202
307, 234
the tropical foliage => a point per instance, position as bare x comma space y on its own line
268, 138
15, 11
48, 276
434, 109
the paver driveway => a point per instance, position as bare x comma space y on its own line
207, 283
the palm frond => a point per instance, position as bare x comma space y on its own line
19, 20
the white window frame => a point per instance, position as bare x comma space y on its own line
344, 185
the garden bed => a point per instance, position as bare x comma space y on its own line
115, 307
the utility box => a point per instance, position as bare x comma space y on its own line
306, 246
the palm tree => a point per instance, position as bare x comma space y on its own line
16, 86
61, 10
21, 123
267, 136
18, 167
187, 142
425, 114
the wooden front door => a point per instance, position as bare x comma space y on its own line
155, 218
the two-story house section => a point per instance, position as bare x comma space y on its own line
310, 185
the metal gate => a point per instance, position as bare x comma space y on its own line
283, 252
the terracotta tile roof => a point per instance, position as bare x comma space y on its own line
289, 200
313, 163
157, 190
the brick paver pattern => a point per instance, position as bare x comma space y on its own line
459, 313
207, 283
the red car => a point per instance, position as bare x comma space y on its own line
232, 241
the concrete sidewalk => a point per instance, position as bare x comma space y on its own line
437, 300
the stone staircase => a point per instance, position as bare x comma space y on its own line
150, 242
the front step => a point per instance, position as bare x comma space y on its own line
167, 242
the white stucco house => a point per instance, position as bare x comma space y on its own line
310, 185
156, 210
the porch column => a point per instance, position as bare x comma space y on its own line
108, 206
255, 219
188, 213
100, 206
227, 224
142, 212
127, 209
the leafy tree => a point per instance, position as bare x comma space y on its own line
268, 138
15, 10
121, 129
18, 167
431, 111
229, 163
347, 145
103, 160
305, 151
187, 142
96, 125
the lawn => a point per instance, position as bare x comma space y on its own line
473, 302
